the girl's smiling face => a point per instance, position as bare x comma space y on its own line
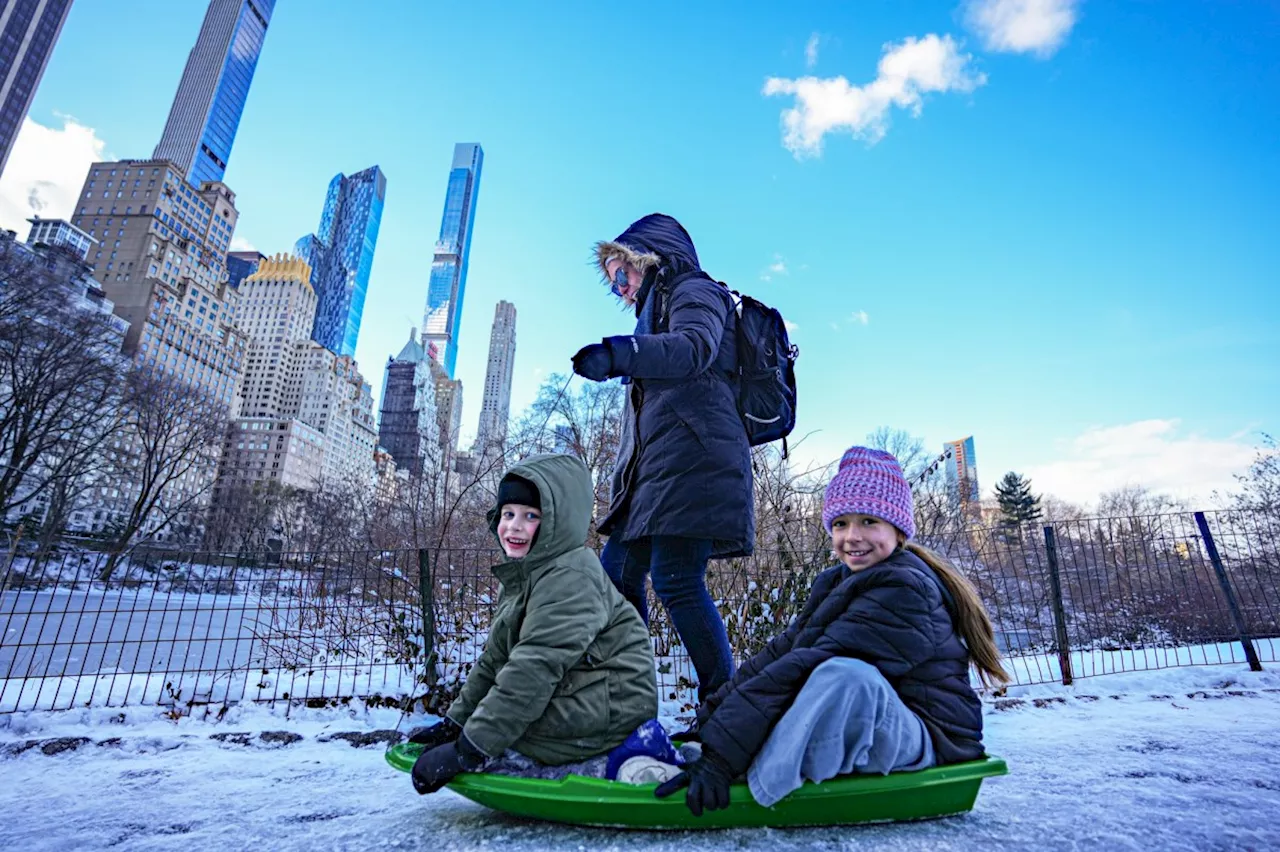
517, 526
861, 541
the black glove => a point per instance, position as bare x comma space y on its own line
446, 730
437, 767
708, 780
594, 362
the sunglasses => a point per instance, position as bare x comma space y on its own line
620, 281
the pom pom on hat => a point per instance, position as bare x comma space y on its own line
870, 482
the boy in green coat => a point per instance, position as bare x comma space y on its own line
567, 672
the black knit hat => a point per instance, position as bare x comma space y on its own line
517, 489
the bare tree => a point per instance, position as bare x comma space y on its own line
938, 513
906, 448
1056, 509
60, 376
1259, 486
788, 503
249, 517
167, 456
585, 422
1132, 501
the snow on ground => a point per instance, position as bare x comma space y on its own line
1177, 759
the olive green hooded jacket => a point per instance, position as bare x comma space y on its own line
567, 672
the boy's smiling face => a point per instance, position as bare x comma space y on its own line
517, 526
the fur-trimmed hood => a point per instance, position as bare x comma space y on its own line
657, 240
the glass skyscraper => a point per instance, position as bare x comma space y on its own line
448, 283
28, 31
206, 111
341, 256
242, 264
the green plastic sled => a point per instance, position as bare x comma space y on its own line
937, 792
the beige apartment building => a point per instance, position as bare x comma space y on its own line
306, 413
339, 402
268, 442
277, 307
160, 256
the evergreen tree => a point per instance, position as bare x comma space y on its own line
1017, 504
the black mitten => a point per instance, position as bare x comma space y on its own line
437, 767
708, 780
594, 362
440, 733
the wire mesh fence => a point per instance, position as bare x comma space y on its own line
1067, 601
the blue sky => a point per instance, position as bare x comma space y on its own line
1055, 228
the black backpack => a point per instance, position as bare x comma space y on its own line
766, 372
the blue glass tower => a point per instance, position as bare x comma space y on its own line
215, 84
340, 254
448, 283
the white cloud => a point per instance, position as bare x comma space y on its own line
239, 243
792, 327
1022, 26
906, 72
811, 51
778, 267
859, 318
46, 171
1150, 453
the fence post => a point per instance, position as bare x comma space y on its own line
13, 550
1059, 614
1242, 631
427, 596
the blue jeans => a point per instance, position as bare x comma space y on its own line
679, 568
846, 719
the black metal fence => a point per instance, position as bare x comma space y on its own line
1068, 601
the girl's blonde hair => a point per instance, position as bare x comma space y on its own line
970, 615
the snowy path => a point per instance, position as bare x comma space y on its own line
1152, 769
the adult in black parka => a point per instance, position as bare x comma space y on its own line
682, 486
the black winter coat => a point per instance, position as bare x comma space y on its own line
688, 472
893, 615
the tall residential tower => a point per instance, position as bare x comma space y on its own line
448, 283
28, 30
962, 474
495, 410
341, 256
215, 84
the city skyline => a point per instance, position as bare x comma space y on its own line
1089, 188
202, 124
28, 33
446, 290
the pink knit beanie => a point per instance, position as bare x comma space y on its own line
870, 482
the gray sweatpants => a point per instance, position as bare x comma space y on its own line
846, 719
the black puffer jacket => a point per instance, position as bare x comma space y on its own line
684, 464
893, 615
